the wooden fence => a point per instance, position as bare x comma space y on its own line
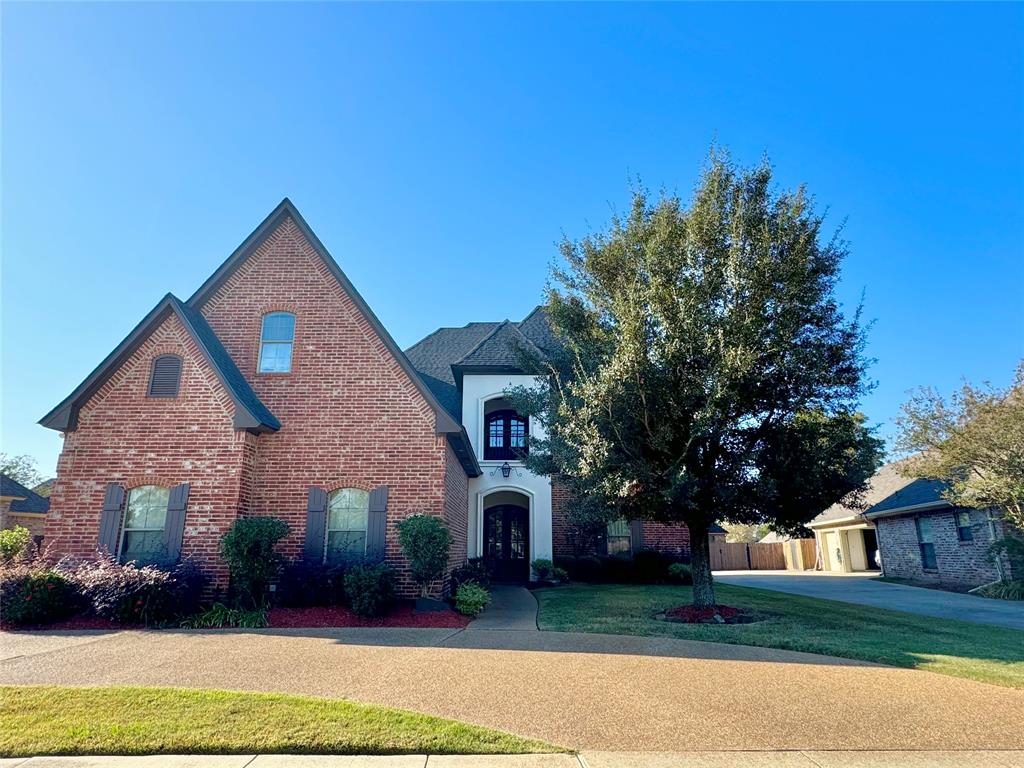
743, 557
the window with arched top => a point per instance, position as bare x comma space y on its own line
276, 339
145, 516
165, 376
506, 435
348, 513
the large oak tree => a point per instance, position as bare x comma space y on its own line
707, 370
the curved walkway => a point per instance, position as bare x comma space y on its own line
595, 692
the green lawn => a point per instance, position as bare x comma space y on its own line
50, 720
958, 648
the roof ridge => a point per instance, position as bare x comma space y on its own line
480, 343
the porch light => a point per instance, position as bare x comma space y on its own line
506, 470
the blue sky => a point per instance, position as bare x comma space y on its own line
440, 151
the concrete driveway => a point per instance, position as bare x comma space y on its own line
865, 589
594, 692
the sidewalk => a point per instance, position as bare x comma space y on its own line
785, 759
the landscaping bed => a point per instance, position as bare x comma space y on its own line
720, 614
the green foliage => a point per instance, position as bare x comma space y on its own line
680, 573
21, 468
1003, 590
370, 589
304, 584
707, 370
471, 599
31, 594
14, 542
219, 615
249, 550
974, 442
427, 543
126, 593
474, 570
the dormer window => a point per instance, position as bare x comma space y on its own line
165, 377
276, 342
506, 433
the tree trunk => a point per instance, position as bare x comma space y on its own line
700, 564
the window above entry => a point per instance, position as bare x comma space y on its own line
276, 340
506, 435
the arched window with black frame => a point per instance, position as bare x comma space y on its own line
506, 435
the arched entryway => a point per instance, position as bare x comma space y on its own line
506, 536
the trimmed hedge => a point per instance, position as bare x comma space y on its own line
648, 566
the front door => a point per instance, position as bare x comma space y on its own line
506, 533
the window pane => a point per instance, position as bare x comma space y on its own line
346, 545
928, 557
517, 433
147, 507
924, 530
144, 546
279, 326
963, 519
276, 357
496, 433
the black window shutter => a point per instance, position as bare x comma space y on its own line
377, 525
316, 525
110, 520
174, 526
636, 535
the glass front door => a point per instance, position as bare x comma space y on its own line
506, 537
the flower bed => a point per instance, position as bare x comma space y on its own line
338, 616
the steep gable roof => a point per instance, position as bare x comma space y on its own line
443, 356
250, 412
445, 424
25, 499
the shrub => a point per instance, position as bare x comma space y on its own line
34, 595
567, 564
471, 599
14, 542
545, 569
680, 573
219, 615
427, 544
370, 589
473, 571
127, 593
616, 570
249, 550
588, 569
304, 584
1003, 590
651, 566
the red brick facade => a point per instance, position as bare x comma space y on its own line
350, 417
567, 540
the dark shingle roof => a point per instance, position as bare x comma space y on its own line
917, 492
28, 500
477, 345
250, 412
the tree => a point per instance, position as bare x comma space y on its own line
706, 371
21, 468
974, 442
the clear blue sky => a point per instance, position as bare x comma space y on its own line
440, 151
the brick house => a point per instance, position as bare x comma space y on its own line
913, 530
275, 390
21, 506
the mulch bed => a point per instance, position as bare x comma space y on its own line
720, 614
404, 615
337, 616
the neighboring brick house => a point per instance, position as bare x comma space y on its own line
915, 532
275, 390
21, 506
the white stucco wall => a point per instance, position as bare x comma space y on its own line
477, 390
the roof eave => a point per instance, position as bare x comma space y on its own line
907, 509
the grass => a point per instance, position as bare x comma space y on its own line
52, 720
961, 649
